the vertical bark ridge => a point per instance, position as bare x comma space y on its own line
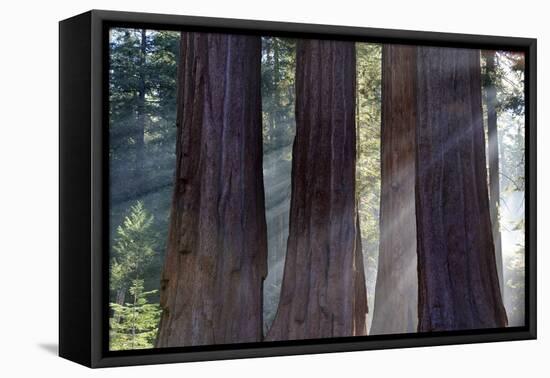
323, 291
396, 295
458, 281
211, 289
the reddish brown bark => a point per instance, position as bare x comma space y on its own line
323, 290
396, 298
458, 282
211, 290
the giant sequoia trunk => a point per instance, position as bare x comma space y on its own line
458, 281
323, 291
211, 289
494, 177
396, 304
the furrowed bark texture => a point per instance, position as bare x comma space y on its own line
396, 298
458, 282
323, 289
211, 289
494, 177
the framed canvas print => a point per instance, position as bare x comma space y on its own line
233, 188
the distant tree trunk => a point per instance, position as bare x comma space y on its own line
141, 116
121, 295
271, 85
360, 305
458, 281
276, 79
494, 176
396, 295
322, 290
120, 299
216, 261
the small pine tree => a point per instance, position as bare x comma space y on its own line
134, 325
134, 249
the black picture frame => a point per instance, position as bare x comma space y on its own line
83, 194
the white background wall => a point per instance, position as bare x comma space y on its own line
29, 186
